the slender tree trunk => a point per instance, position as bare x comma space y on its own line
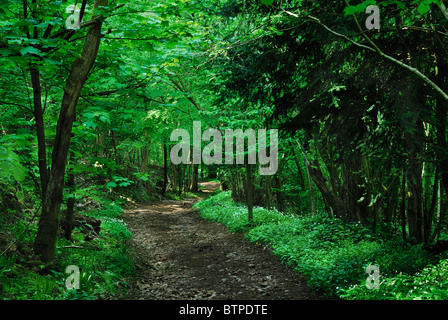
45, 241
391, 199
430, 212
187, 184
309, 179
403, 205
355, 190
268, 185
70, 208
442, 215
249, 192
299, 169
415, 201
180, 178
38, 111
114, 146
441, 120
413, 138
174, 176
233, 182
279, 194
409, 109
39, 117
145, 154
311, 191
415, 205
330, 196
194, 178
165, 168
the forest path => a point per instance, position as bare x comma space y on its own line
181, 256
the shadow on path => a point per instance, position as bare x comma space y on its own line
180, 256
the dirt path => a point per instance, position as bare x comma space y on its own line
180, 256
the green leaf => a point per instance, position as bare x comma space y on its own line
423, 8
400, 5
425, 5
30, 50
267, 2
4, 153
5, 52
360, 8
111, 184
348, 11
18, 173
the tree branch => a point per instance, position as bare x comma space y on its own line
362, 31
16, 104
376, 50
83, 8
68, 33
443, 9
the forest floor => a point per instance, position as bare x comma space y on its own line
180, 256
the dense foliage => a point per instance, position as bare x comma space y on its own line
334, 255
103, 262
91, 91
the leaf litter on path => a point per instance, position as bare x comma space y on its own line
180, 256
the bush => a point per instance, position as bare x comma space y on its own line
103, 263
331, 254
429, 284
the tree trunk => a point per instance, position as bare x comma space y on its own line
333, 201
299, 169
391, 199
311, 191
165, 168
279, 194
415, 204
403, 205
174, 176
45, 241
114, 146
187, 183
268, 186
355, 190
329, 196
430, 212
70, 208
302, 183
39, 116
442, 215
440, 124
249, 192
194, 178
180, 178
233, 183
413, 129
145, 155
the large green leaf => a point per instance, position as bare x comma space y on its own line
30, 50
18, 173
267, 2
425, 5
360, 8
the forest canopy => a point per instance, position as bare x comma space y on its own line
91, 92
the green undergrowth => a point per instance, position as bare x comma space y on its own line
103, 263
334, 255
